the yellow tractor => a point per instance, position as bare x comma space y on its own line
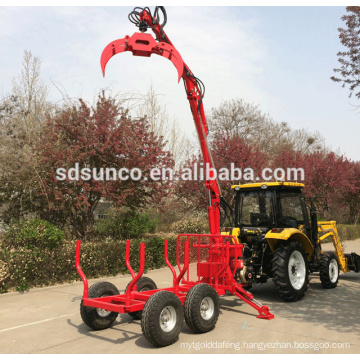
282, 240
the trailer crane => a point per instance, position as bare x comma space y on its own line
207, 264
142, 44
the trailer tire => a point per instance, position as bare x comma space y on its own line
329, 270
162, 318
143, 284
99, 319
202, 308
290, 270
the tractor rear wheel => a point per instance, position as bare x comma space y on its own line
329, 270
201, 308
143, 284
290, 270
99, 319
162, 318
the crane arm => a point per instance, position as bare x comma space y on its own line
142, 44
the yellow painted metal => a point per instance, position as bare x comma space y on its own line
234, 232
257, 185
329, 229
290, 234
274, 238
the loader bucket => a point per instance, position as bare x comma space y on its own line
353, 261
141, 44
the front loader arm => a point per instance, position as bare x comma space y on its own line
330, 230
141, 44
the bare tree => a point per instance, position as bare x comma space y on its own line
29, 88
22, 115
179, 144
237, 118
349, 71
155, 112
307, 142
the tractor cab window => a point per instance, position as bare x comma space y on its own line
255, 208
291, 210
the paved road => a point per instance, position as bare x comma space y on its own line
47, 320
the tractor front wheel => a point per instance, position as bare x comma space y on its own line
329, 270
162, 318
290, 270
99, 319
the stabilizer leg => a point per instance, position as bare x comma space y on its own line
264, 312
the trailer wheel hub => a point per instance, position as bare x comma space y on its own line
167, 319
101, 312
207, 308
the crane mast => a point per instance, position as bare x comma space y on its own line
142, 44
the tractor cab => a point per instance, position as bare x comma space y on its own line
260, 207
271, 221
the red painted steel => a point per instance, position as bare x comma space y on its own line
141, 44
138, 276
131, 300
167, 260
213, 258
79, 270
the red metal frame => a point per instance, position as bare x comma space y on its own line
132, 300
217, 269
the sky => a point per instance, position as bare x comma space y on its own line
280, 58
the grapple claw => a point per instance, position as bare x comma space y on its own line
141, 44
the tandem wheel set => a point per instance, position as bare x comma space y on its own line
206, 267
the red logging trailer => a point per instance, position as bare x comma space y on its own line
206, 269
208, 265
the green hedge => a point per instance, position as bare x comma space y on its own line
23, 268
348, 232
32, 234
123, 224
194, 225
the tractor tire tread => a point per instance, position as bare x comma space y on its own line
280, 272
325, 258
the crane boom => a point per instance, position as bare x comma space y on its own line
142, 44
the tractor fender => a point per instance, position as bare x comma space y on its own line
234, 232
273, 238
